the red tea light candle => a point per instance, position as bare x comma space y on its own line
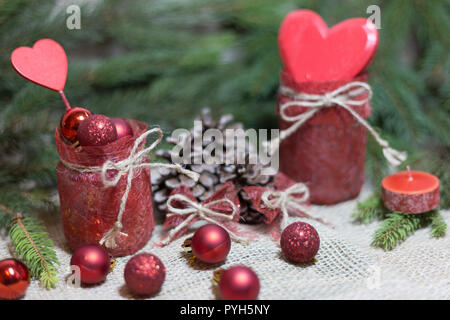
411, 191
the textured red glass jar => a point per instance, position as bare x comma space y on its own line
328, 151
89, 209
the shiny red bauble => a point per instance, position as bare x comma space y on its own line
71, 120
97, 130
144, 274
239, 283
211, 243
14, 279
300, 242
94, 263
122, 127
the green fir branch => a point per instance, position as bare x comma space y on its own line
396, 228
438, 224
35, 248
368, 210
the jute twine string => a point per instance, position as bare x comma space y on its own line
134, 161
203, 212
343, 97
294, 198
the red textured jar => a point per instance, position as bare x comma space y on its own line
89, 209
328, 151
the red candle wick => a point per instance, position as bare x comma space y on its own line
409, 173
66, 102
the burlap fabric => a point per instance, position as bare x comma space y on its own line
346, 267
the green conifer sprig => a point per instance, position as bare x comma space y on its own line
395, 228
398, 226
370, 209
438, 225
33, 246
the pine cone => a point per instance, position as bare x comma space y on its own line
212, 176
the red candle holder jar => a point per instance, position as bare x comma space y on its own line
89, 209
328, 151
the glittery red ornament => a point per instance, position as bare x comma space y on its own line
94, 263
14, 279
211, 243
239, 283
144, 274
123, 128
300, 242
71, 120
97, 130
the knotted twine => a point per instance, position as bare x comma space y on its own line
135, 160
203, 212
293, 197
343, 97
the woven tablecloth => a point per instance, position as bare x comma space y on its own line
347, 267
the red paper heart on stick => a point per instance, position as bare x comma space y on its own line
45, 64
312, 52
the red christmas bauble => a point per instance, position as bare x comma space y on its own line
14, 279
97, 130
211, 243
144, 274
300, 242
71, 120
239, 283
94, 263
122, 127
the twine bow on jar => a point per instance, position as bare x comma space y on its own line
344, 97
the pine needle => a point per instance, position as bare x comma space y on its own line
370, 209
438, 225
35, 248
396, 228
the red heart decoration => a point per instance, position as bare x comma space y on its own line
312, 52
45, 64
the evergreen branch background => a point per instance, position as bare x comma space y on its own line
369, 210
438, 225
396, 226
161, 61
